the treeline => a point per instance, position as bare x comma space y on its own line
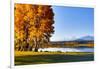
73, 44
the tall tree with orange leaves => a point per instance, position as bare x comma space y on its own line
33, 24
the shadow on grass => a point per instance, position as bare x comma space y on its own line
55, 58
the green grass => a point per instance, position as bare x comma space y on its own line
26, 58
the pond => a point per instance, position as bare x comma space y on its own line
67, 49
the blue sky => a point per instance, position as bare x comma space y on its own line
72, 22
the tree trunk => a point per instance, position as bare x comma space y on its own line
26, 38
36, 49
29, 48
36, 45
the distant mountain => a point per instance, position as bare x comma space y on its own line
85, 38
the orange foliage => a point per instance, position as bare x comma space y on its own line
33, 22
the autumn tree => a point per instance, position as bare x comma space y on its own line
33, 24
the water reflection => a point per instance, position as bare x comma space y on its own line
68, 49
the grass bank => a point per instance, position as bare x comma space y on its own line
26, 58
